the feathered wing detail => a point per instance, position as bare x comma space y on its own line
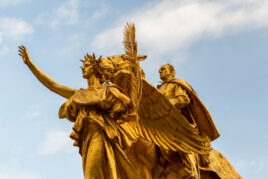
161, 123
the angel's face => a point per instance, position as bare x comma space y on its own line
165, 72
87, 69
107, 69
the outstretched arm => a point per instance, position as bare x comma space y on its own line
64, 91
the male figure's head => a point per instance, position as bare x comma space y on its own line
167, 72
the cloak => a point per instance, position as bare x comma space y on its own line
200, 113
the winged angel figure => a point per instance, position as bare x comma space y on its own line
118, 108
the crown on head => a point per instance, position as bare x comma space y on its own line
90, 58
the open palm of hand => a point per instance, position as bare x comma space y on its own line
23, 52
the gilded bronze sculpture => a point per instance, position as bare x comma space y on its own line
185, 99
125, 127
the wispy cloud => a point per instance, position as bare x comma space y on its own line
14, 29
33, 112
5, 3
17, 149
66, 14
4, 50
101, 11
55, 141
255, 165
74, 42
11, 173
171, 26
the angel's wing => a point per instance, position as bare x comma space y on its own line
162, 124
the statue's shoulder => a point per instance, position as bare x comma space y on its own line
177, 81
91, 90
182, 83
88, 96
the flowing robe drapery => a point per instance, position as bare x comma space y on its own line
101, 140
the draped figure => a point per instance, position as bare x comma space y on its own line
118, 109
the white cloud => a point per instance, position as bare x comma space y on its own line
5, 3
3, 50
256, 165
67, 13
11, 173
169, 27
33, 112
74, 42
13, 28
101, 11
56, 141
17, 149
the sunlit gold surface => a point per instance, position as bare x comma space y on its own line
212, 164
125, 128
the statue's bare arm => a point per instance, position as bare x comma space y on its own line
63, 91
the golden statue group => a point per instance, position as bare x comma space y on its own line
126, 128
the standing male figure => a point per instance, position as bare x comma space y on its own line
184, 98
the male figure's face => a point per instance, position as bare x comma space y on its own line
165, 73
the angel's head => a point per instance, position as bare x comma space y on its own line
167, 72
90, 66
107, 69
111, 64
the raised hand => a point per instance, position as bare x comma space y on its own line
64, 91
23, 52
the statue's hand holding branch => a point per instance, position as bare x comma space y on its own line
64, 91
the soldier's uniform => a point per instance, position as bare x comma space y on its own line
184, 98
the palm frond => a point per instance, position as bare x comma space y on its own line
130, 43
130, 47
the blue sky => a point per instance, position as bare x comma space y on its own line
219, 47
